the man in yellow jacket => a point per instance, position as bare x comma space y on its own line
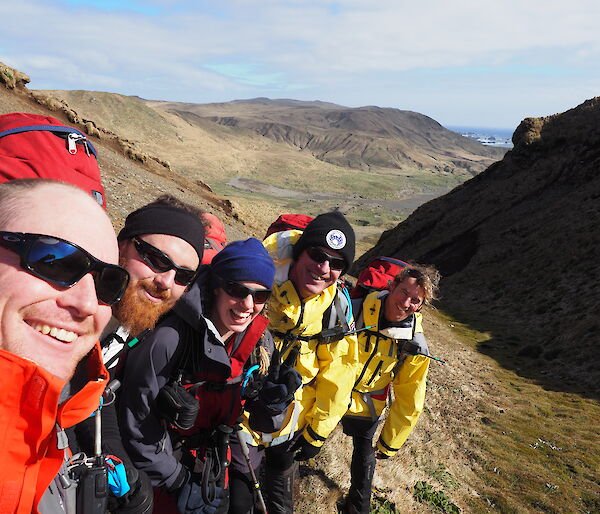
305, 301
392, 354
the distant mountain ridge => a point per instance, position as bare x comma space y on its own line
359, 138
519, 247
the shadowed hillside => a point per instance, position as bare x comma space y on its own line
519, 247
361, 138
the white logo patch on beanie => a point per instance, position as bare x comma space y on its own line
336, 239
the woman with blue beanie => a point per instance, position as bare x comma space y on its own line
183, 387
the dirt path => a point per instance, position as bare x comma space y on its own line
406, 201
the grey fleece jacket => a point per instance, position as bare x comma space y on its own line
149, 367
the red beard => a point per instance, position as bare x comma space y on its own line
136, 313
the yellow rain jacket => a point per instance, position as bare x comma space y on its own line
382, 365
327, 369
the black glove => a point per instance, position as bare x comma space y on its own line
139, 499
177, 406
304, 450
281, 382
267, 410
191, 500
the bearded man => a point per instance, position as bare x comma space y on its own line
161, 246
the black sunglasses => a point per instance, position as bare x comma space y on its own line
160, 262
240, 291
63, 263
318, 255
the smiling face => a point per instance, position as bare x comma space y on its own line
151, 293
404, 299
310, 277
49, 325
233, 315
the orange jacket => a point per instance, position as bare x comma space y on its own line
30, 416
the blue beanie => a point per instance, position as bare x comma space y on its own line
244, 261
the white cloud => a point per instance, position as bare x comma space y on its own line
354, 51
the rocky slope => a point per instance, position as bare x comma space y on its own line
131, 176
360, 138
519, 247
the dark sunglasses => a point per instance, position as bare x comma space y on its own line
318, 255
63, 263
160, 262
240, 291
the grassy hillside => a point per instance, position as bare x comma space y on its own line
361, 138
264, 177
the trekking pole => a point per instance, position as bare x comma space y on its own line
413, 349
246, 452
92, 498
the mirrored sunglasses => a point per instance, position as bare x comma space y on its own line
318, 255
160, 262
64, 264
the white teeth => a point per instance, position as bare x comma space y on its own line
240, 314
316, 277
57, 333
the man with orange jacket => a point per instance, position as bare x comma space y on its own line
59, 279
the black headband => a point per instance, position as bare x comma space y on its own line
164, 219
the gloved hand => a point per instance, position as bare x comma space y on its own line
139, 499
381, 456
191, 501
267, 410
304, 450
281, 382
176, 405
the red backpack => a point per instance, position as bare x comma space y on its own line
378, 274
36, 146
214, 237
288, 222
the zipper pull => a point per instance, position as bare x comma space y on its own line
72, 139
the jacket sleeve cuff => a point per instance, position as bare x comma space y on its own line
312, 437
385, 449
177, 479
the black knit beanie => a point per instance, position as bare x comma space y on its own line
329, 230
165, 219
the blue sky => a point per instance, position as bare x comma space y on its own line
486, 64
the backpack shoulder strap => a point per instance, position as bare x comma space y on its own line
357, 312
339, 312
128, 345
